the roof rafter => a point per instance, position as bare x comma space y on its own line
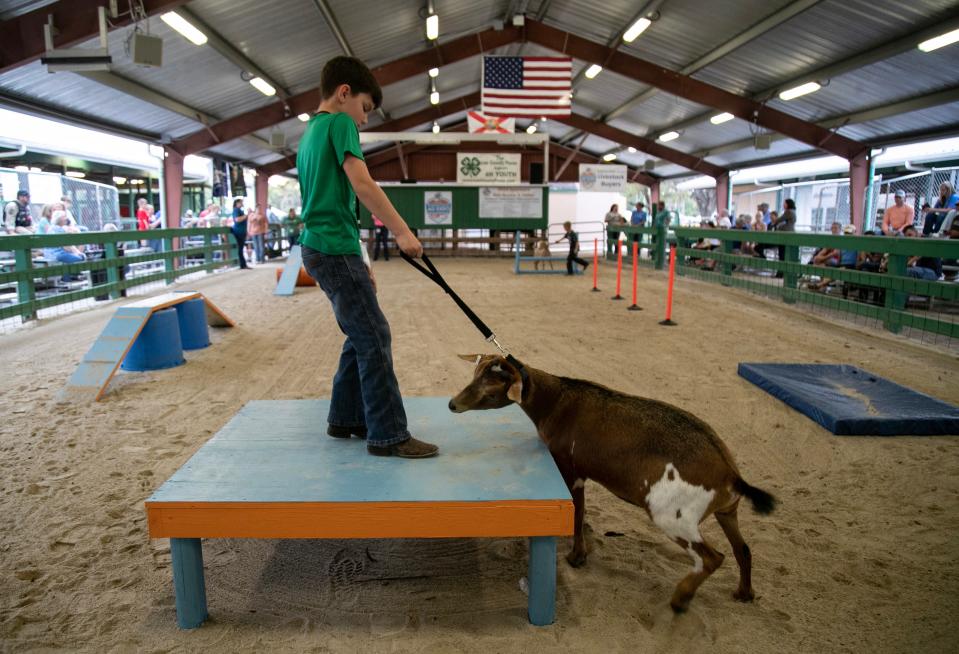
402, 68
76, 21
694, 90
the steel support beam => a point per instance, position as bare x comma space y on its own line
762, 27
262, 190
434, 112
76, 20
654, 192
864, 58
172, 187
859, 168
231, 54
692, 89
641, 143
408, 66
723, 196
276, 167
570, 156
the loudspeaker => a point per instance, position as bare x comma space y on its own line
147, 50
762, 141
535, 172
278, 139
649, 164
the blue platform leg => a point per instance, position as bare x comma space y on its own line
188, 585
542, 580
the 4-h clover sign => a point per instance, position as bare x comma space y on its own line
470, 166
488, 168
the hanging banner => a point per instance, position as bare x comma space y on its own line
438, 208
511, 202
606, 178
487, 168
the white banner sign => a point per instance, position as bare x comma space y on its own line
511, 202
438, 207
487, 168
602, 177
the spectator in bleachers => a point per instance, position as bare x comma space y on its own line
781, 223
17, 218
896, 217
928, 268
188, 219
143, 218
67, 203
742, 223
60, 224
210, 216
723, 221
948, 200
44, 223
763, 214
662, 217
613, 219
828, 256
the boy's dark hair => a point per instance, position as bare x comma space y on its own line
790, 203
352, 71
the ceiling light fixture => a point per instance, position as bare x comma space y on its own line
609, 156
668, 136
719, 119
593, 71
304, 117
262, 86
76, 174
940, 41
186, 29
434, 72
803, 89
531, 129
436, 127
432, 27
636, 29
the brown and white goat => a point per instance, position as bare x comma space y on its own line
541, 249
646, 452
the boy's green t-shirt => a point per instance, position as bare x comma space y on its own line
329, 217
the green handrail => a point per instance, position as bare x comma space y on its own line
175, 260
895, 284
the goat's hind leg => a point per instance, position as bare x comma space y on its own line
705, 561
730, 523
577, 556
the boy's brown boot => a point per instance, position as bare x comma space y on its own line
409, 449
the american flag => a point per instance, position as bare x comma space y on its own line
527, 86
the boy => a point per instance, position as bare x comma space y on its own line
573, 238
366, 399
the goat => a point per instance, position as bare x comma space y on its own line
648, 453
541, 249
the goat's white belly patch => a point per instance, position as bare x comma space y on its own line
676, 506
579, 483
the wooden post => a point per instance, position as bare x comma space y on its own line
26, 291
189, 587
542, 580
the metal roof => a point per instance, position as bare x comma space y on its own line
291, 40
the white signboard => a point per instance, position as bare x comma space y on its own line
524, 202
605, 178
45, 188
487, 168
438, 208
9, 185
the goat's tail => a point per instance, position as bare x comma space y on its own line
762, 501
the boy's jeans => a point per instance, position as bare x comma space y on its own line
365, 391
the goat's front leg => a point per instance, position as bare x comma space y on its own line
577, 557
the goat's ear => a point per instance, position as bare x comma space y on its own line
472, 358
515, 391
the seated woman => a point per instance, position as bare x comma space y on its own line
60, 224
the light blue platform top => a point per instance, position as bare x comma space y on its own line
278, 451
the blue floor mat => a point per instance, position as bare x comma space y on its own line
848, 400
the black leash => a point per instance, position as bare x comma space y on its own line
434, 275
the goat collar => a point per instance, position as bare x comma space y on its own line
523, 375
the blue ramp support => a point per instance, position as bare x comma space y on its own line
290, 272
89, 381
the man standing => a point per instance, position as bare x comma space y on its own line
16, 215
638, 219
896, 217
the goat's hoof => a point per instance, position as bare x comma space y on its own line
576, 559
744, 595
679, 606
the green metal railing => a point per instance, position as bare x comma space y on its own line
894, 285
178, 259
653, 239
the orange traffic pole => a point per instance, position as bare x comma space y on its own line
634, 306
669, 293
595, 262
619, 269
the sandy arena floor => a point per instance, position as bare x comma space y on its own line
859, 557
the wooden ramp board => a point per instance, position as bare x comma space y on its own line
89, 381
290, 272
272, 472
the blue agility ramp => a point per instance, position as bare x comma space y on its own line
848, 400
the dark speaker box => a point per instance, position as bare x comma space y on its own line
535, 172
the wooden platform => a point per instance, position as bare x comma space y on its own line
272, 472
291, 270
89, 381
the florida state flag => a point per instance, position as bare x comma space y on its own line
480, 124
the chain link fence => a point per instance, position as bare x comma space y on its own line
91, 204
920, 188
